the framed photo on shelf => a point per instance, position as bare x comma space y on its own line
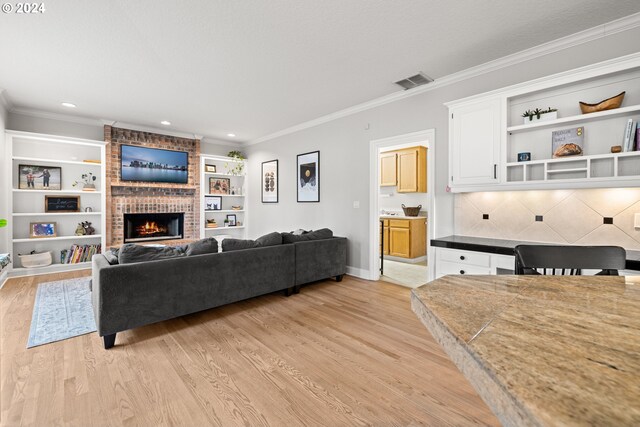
232, 220
210, 168
270, 181
42, 229
61, 204
308, 177
34, 177
212, 203
219, 185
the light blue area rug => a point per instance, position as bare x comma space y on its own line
62, 310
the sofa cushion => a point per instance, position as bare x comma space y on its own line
323, 233
270, 239
201, 247
112, 256
130, 253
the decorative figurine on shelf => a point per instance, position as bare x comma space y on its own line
88, 229
80, 229
87, 180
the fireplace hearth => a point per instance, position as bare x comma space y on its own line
143, 227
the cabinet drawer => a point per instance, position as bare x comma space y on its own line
444, 267
401, 223
465, 257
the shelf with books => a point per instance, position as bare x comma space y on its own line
39, 172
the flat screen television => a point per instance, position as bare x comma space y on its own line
153, 165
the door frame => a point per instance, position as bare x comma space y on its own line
424, 137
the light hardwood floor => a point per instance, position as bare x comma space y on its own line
337, 354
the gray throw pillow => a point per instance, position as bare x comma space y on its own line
323, 233
112, 256
130, 253
203, 246
270, 239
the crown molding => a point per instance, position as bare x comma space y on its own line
591, 34
55, 116
5, 102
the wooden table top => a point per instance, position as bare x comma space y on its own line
542, 350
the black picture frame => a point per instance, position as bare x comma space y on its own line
61, 204
232, 220
308, 177
53, 183
269, 182
214, 201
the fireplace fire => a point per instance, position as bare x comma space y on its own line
147, 227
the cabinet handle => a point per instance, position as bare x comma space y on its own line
461, 271
495, 171
462, 257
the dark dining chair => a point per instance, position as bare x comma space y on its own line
548, 259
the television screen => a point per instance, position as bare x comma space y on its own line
153, 165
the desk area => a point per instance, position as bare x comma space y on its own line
542, 350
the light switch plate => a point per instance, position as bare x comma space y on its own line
356, 204
636, 220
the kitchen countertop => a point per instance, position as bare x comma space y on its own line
505, 247
542, 350
401, 217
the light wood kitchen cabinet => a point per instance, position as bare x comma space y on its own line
406, 169
384, 241
388, 169
412, 170
405, 238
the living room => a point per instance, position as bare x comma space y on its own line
249, 136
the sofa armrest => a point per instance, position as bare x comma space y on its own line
320, 259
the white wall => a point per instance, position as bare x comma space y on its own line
3, 188
344, 149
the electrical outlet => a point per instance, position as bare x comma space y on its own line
636, 220
356, 204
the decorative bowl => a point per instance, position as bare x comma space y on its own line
36, 260
608, 104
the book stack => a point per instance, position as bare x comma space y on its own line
79, 253
631, 141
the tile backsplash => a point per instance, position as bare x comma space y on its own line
581, 217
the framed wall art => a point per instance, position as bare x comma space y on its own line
308, 177
231, 218
34, 177
270, 181
42, 229
210, 168
219, 185
212, 203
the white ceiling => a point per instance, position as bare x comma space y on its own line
212, 67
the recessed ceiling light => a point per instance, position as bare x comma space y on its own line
165, 122
69, 105
231, 135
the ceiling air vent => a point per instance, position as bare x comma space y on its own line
414, 81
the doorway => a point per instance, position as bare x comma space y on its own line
399, 236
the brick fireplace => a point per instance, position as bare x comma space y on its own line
126, 197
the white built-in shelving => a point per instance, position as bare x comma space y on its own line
487, 132
237, 186
26, 205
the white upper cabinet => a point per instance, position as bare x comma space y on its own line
492, 147
475, 143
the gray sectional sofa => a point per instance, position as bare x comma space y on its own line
127, 296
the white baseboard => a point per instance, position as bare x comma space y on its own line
358, 272
406, 260
3, 277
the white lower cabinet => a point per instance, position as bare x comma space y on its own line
455, 261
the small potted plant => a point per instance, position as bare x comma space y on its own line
226, 222
87, 181
237, 167
541, 115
